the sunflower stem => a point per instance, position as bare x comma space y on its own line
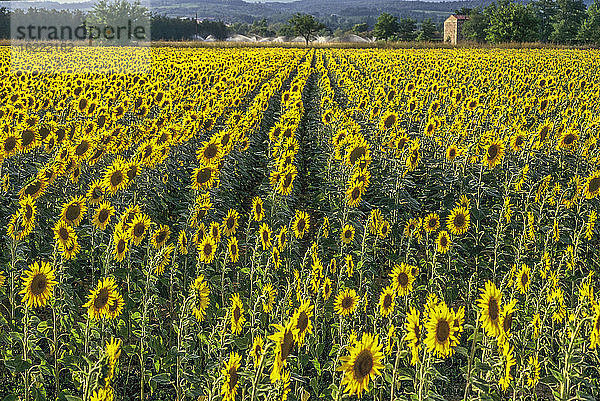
470, 362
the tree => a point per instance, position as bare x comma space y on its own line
407, 29
545, 11
4, 23
475, 27
305, 25
567, 21
360, 28
116, 14
428, 31
511, 22
590, 29
386, 26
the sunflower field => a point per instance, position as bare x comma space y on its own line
301, 224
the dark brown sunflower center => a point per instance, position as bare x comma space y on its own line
230, 223
432, 223
524, 279
389, 121
237, 313
357, 153
544, 133
569, 139
132, 172
207, 249
347, 302
38, 284
101, 299
28, 212
301, 225
387, 301
204, 175
233, 249
452, 153
494, 310
210, 151
287, 180
116, 178
139, 229
402, 279
33, 188
302, 322
161, 237
265, 236
27, 137
121, 246
82, 148
507, 324
96, 193
493, 151
442, 331
363, 365
355, 193
594, 185
519, 141
459, 220
10, 143
73, 212
287, 345
63, 233
233, 378
347, 234
444, 241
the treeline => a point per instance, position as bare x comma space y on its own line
550, 21
161, 27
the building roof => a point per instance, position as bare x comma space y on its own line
460, 16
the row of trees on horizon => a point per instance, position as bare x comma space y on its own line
549, 21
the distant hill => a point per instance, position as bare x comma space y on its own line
334, 11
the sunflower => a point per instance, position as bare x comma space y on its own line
284, 339
268, 297
441, 331
95, 193
509, 361
402, 278
71, 249
231, 377
523, 279
518, 141
347, 234
301, 321
362, 364
116, 307
63, 233
237, 314
74, 210
375, 220
595, 333
234, 250
346, 302
326, 285
387, 301
258, 211
27, 211
210, 152
388, 120
121, 241
349, 265
431, 223
357, 149
413, 334
182, 243
301, 224
161, 236
115, 177
162, 258
200, 292
459, 220
490, 304
533, 376
103, 215
494, 152
207, 249
215, 231
230, 222
9, 145
354, 193
591, 188
567, 139
276, 257
506, 318
282, 238
204, 177
258, 347
101, 298
265, 236
38, 284
139, 227
287, 175
384, 229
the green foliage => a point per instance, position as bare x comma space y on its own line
545, 11
590, 29
428, 31
305, 25
567, 21
386, 26
474, 28
360, 28
511, 22
407, 29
